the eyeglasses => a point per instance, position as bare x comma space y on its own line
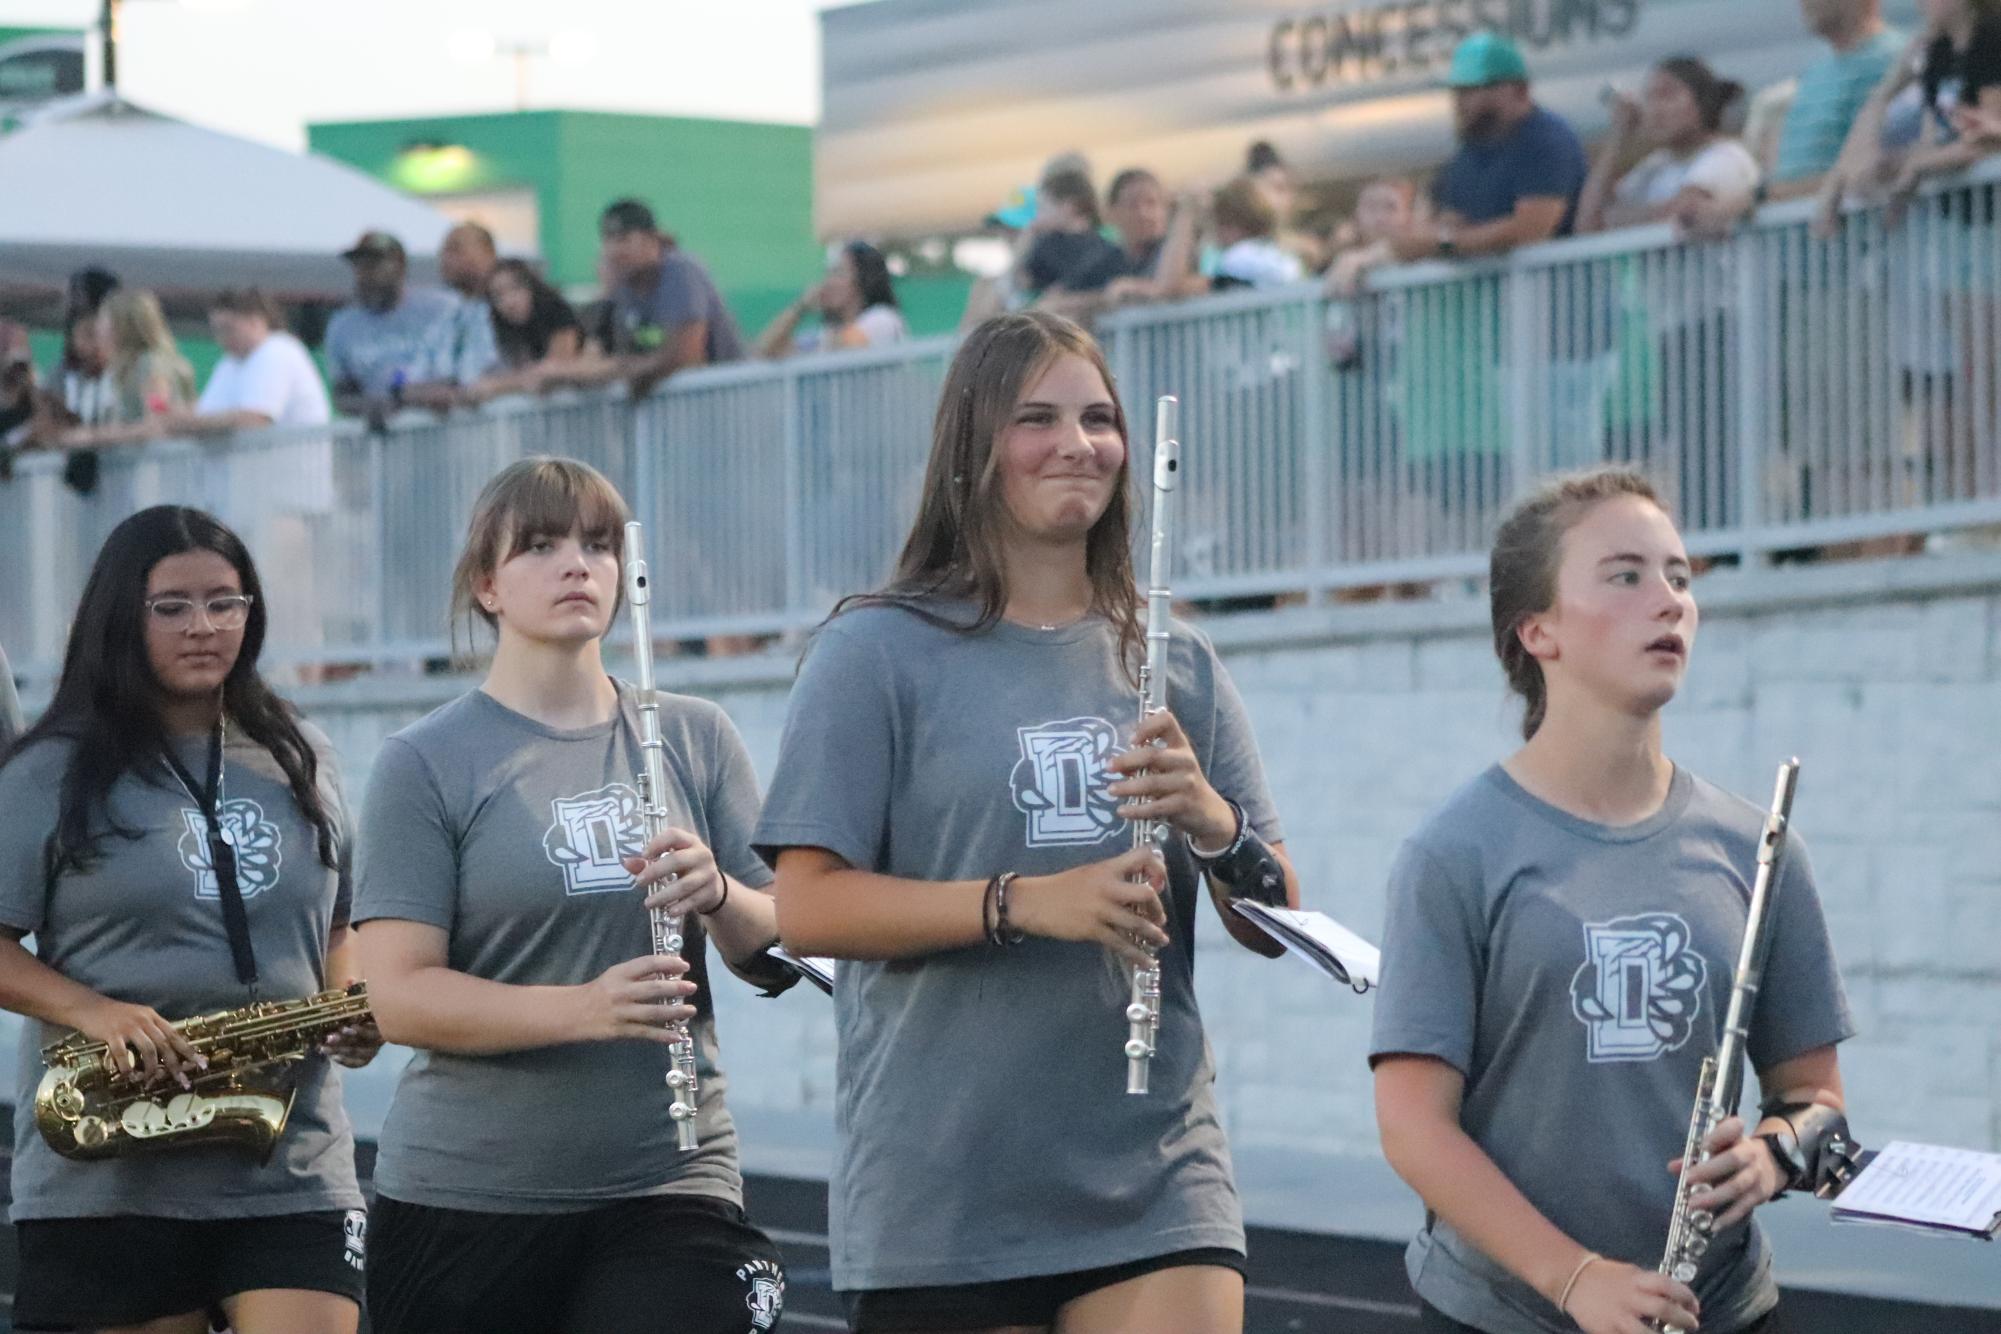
228, 612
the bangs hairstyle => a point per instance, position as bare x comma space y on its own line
1521, 573
537, 497
955, 546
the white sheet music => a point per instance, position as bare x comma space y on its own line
1926, 1184
1316, 938
818, 971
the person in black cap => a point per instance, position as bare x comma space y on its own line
666, 311
376, 346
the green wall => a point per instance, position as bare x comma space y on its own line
738, 195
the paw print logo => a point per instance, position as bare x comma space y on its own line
258, 842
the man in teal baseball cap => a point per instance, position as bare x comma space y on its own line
1519, 168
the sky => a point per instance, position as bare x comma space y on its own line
265, 68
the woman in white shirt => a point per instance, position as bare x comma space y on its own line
1697, 177
856, 304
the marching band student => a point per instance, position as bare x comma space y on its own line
175, 842
949, 817
529, 1178
1560, 948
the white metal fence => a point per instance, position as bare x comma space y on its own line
1784, 390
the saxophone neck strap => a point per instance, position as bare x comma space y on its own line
209, 798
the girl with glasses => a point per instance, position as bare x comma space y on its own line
162, 744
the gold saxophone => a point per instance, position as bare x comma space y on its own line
86, 1110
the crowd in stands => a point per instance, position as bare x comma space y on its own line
1875, 115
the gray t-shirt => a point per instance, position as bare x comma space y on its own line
144, 924
646, 318
374, 350
1577, 975
983, 1128
508, 834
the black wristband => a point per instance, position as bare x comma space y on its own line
711, 912
1207, 861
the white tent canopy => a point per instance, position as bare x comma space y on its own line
183, 210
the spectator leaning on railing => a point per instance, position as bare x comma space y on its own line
375, 346
148, 377
1246, 232
536, 331
264, 378
856, 303
665, 314
1264, 166
1519, 168
1066, 252
1952, 68
1385, 207
460, 348
1831, 91
1697, 178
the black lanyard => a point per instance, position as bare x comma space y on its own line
221, 857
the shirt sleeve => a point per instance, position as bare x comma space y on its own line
1546, 166
339, 373
406, 854
835, 758
333, 796
1801, 1002
1726, 170
28, 787
733, 805
1434, 955
881, 325
1232, 764
677, 300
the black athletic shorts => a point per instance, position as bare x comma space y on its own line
1434, 1321
1013, 1301
660, 1263
83, 1273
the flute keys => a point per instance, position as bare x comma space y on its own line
680, 1111
1137, 1049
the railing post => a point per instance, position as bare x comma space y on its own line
1754, 341
797, 588
1524, 342
1316, 437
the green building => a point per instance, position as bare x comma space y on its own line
737, 195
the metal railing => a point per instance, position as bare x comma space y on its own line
1784, 391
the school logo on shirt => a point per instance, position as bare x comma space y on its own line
354, 1238
591, 833
257, 841
1060, 782
1639, 988
766, 1297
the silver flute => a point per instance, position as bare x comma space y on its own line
1143, 1005
667, 938
1717, 1088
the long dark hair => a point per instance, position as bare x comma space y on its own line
955, 545
1521, 572
871, 275
107, 702
523, 344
